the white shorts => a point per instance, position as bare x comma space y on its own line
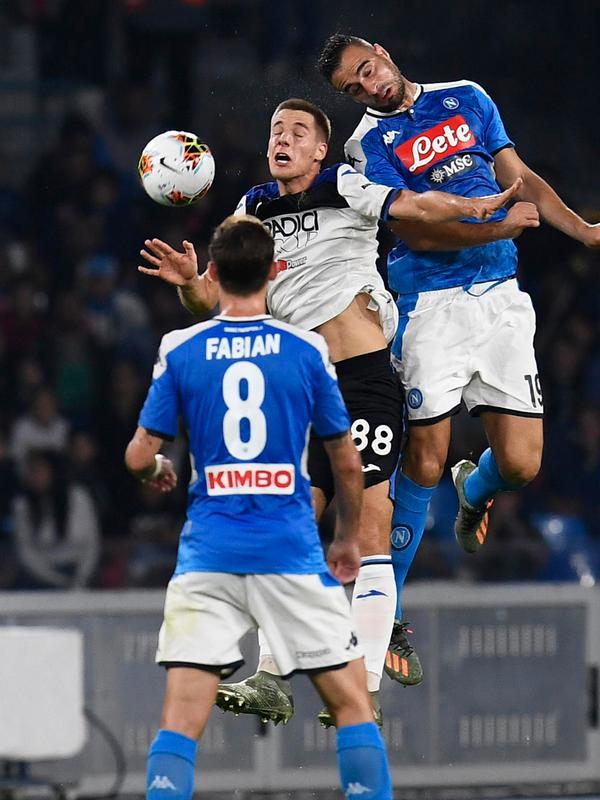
305, 618
475, 347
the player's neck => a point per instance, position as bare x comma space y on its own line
411, 91
299, 184
234, 305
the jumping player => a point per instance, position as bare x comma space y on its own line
248, 389
325, 224
466, 330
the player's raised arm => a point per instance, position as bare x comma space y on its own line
145, 463
343, 555
450, 236
443, 207
197, 292
509, 166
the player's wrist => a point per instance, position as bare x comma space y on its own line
156, 469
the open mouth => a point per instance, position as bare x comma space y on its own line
282, 158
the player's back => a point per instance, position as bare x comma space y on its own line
248, 390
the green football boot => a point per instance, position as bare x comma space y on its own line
471, 524
401, 662
263, 694
326, 719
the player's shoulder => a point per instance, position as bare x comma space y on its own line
260, 194
176, 339
176, 342
328, 175
462, 87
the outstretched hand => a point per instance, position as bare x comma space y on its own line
170, 265
485, 207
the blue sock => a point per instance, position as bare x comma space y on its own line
170, 772
411, 502
362, 762
485, 481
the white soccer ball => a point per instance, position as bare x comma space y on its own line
176, 168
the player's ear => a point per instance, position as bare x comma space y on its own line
273, 271
211, 271
381, 51
321, 152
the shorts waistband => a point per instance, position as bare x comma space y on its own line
367, 362
482, 287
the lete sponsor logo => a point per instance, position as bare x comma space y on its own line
435, 144
224, 479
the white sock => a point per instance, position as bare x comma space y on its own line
266, 662
373, 609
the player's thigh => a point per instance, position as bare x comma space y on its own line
189, 697
517, 443
205, 617
375, 520
506, 376
373, 397
431, 353
306, 619
344, 691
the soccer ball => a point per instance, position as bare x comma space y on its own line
176, 168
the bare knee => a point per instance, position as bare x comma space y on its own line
519, 469
423, 464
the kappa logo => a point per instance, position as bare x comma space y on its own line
435, 144
162, 782
389, 136
353, 641
355, 789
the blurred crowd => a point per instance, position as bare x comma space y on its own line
79, 326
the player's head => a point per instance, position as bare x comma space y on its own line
298, 140
241, 255
363, 71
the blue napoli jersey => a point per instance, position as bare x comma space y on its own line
248, 391
447, 141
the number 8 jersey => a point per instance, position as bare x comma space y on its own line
248, 391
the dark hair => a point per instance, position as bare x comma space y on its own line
331, 54
319, 116
242, 250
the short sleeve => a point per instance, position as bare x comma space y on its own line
372, 157
160, 412
362, 195
495, 137
330, 418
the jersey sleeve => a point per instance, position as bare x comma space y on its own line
330, 418
495, 137
160, 412
362, 195
372, 157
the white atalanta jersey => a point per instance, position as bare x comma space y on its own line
325, 246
